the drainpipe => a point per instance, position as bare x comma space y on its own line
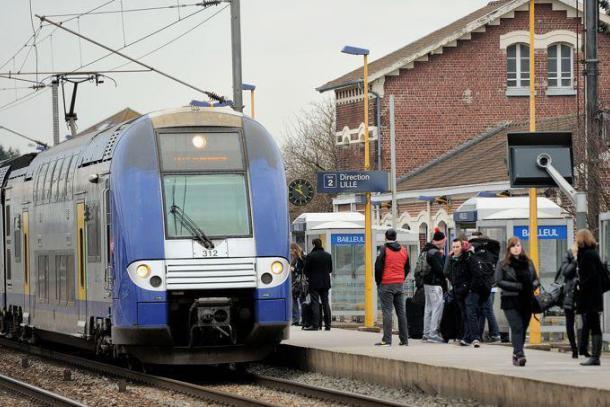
378, 120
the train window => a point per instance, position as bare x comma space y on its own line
46, 194
71, 278
55, 180
70, 176
62, 178
9, 268
7, 219
43, 278
40, 182
201, 151
60, 270
93, 233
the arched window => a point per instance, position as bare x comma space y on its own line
423, 235
518, 66
405, 226
560, 63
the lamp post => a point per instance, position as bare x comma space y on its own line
251, 88
369, 307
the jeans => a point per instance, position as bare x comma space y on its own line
473, 316
488, 314
584, 335
593, 322
569, 313
433, 310
392, 297
296, 309
318, 296
518, 320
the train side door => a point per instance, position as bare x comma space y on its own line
81, 272
25, 232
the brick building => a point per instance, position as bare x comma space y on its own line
456, 86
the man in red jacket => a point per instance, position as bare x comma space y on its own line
391, 270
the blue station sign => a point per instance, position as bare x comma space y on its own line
335, 182
347, 239
546, 232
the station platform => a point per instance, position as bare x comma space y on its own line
485, 374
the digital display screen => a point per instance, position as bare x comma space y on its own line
201, 151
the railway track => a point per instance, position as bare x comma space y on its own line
201, 391
36, 393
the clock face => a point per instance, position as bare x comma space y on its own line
300, 192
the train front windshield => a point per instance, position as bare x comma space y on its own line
204, 175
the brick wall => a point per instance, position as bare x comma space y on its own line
432, 113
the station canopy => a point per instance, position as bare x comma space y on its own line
510, 208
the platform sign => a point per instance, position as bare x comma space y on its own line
545, 232
347, 239
335, 182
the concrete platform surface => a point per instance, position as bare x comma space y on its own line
449, 369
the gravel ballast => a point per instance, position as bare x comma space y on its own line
408, 396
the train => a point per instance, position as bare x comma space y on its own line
163, 240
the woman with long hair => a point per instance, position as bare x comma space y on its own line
589, 294
297, 263
516, 276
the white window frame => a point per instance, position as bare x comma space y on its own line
519, 69
558, 75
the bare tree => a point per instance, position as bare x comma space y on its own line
310, 147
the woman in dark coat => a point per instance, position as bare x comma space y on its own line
299, 284
567, 273
517, 278
589, 294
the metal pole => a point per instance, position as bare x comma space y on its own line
369, 307
55, 96
535, 332
238, 103
252, 103
393, 161
591, 133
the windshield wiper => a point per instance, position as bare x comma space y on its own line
191, 226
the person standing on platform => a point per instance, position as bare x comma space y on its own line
459, 274
589, 294
299, 284
568, 276
318, 266
516, 276
391, 270
489, 315
430, 265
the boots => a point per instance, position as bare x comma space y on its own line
596, 351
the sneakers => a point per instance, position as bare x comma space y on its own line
495, 339
424, 339
476, 343
403, 343
436, 339
463, 343
382, 343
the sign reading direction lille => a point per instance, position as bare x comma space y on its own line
334, 182
557, 232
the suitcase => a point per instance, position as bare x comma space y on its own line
451, 322
307, 315
415, 315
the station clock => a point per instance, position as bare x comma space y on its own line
300, 192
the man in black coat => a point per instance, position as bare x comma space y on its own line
318, 266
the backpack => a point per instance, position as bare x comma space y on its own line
422, 268
483, 262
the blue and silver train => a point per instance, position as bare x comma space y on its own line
163, 240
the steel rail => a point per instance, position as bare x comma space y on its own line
335, 396
36, 393
186, 388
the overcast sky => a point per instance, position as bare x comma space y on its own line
289, 48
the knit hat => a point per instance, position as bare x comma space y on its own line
438, 235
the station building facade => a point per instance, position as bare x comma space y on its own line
458, 91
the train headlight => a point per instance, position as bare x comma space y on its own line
277, 267
199, 142
143, 270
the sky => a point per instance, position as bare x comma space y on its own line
289, 48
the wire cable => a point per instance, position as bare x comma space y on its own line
174, 39
136, 10
22, 99
35, 37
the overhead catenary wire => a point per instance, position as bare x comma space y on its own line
23, 99
173, 39
211, 95
135, 10
35, 32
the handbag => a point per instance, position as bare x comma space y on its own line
546, 299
